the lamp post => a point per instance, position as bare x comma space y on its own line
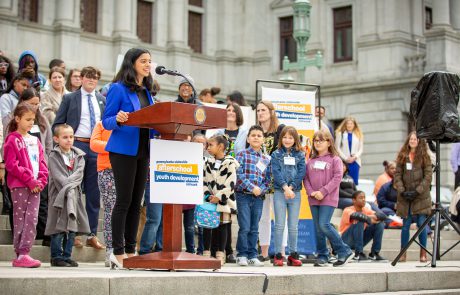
301, 35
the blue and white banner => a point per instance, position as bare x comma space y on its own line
176, 172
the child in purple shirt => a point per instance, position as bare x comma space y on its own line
322, 181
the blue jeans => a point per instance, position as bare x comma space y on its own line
249, 213
61, 245
159, 239
292, 206
200, 248
357, 237
322, 219
419, 219
189, 230
152, 223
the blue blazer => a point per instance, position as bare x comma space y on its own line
124, 139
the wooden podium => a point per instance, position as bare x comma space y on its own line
175, 121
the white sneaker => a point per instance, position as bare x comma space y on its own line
255, 262
242, 261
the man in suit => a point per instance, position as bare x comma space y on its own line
81, 110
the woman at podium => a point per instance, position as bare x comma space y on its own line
128, 148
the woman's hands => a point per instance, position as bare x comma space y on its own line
122, 117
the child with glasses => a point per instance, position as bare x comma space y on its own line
322, 181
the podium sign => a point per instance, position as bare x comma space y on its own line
176, 172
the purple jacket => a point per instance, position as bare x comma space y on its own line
326, 180
455, 156
17, 163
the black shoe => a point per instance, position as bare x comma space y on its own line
59, 263
72, 263
262, 259
376, 257
320, 263
345, 260
360, 257
46, 242
230, 258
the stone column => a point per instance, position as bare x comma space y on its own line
67, 13
124, 21
177, 23
455, 14
441, 14
9, 7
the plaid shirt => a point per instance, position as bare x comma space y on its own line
248, 175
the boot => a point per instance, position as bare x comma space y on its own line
403, 257
423, 255
221, 256
206, 253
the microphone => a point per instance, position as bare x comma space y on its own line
161, 70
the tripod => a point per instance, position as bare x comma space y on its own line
437, 212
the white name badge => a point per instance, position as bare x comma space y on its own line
35, 129
261, 166
217, 164
408, 166
320, 165
289, 161
66, 160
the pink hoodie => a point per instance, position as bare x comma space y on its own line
17, 163
326, 180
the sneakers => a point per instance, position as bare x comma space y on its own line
293, 259
231, 258
27, 262
376, 257
71, 262
59, 262
255, 262
278, 260
320, 263
345, 260
360, 257
242, 261
261, 258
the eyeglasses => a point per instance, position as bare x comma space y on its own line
4, 64
91, 76
320, 140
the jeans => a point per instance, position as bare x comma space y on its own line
281, 204
419, 219
152, 224
61, 245
159, 239
189, 230
249, 212
200, 248
357, 236
322, 219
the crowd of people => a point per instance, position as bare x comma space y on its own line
65, 150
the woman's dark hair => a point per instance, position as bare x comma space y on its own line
18, 77
220, 139
10, 71
68, 83
215, 91
30, 93
238, 113
19, 111
237, 97
127, 74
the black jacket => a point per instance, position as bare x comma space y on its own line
347, 187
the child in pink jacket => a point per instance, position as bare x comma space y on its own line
27, 176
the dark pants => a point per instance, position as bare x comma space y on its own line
130, 173
42, 214
357, 236
217, 234
189, 230
61, 245
457, 178
90, 185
